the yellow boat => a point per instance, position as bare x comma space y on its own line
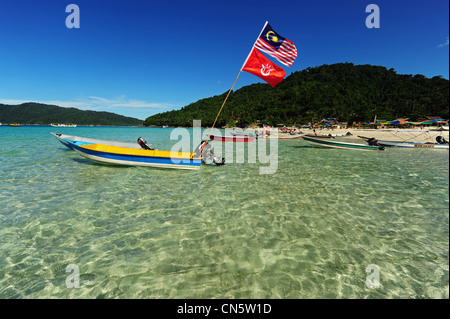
108, 154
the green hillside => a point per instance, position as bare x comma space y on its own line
343, 91
35, 113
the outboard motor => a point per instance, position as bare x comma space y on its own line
441, 140
205, 149
143, 143
373, 142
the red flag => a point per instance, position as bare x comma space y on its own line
260, 66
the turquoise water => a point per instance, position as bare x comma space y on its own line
309, 230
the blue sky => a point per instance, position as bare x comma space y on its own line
138, 58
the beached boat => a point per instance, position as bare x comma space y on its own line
107, 154
441, 143
69, 140
318, 136
243, 138
329, 135
413, 145
284, 136
339, 144
243, 134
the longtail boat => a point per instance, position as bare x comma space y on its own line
441, 143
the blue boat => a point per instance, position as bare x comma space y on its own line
116, 155
138, 154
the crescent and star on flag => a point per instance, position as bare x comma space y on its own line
271, 37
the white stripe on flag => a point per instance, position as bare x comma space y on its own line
286, 53
271, 51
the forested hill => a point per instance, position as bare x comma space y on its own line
36, 113
343, 91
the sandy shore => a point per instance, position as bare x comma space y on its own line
410, 135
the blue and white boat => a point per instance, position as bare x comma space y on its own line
338, 144
108, 154
139, 154
441, 143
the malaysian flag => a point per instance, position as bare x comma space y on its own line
276, 46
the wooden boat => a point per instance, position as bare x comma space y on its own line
403, 144
338, 144
413, 145
14, 125
236, 138
329, 135
116, 155
242, 134
318, 136
69, 140
284, 137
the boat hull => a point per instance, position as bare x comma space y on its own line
242, 134
318, 136
337, 144
413, 145
283, 137
114, 155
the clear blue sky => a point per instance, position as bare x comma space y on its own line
139, 58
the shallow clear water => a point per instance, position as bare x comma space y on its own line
307, 231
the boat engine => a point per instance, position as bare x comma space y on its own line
208, 156
373, 141
143, 143
441, 140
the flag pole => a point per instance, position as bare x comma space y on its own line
265, 24
226, 98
